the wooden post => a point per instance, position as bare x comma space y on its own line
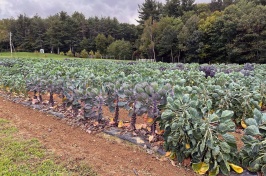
10, 38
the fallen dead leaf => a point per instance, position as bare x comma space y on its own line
173, 162
150, 120
120, 124
161, 159
95, 123
167, 154
139, 140
139, 126
160, 132
151, 137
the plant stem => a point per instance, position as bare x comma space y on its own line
133, 121
51, 100
40, 96
100, 111
153, 127
34, 95
116, 111
75, 111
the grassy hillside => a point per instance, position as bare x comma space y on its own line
28, 55
31, 55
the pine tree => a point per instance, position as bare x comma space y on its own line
150, 8
172, 8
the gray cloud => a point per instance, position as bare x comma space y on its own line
123, 10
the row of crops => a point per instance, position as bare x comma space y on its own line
198, 107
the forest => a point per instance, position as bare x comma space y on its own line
222, 31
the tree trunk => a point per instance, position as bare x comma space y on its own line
178, 57
58, 50
154, 57
172, 55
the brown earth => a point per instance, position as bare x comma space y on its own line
107, 155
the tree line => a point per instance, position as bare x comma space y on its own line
231, 31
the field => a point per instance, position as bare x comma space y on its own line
31, 55
195, 112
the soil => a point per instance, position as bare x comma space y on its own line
107, 155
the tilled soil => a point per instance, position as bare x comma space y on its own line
107, 155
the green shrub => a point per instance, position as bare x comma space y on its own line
84, 54
91, 54
69, 53
98, 55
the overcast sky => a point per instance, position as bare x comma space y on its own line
123, 10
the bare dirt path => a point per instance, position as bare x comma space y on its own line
107, 156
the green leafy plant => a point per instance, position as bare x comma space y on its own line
135, 101
93, 104
36, 85
193, 132
73, 93
253, 154
153, 99
115, 98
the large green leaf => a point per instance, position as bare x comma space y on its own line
227, 114
216, 151
251, 121
258, 116
209, 104
214, 171
193, 112
224, 167
257, 113
254, 166
225, 147
252, 130
227, 126
263, 169
255, 149
263, 119
230, 139
185, 98
174, 126
167, 115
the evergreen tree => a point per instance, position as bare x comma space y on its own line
172, 8
149, 9
188, 5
